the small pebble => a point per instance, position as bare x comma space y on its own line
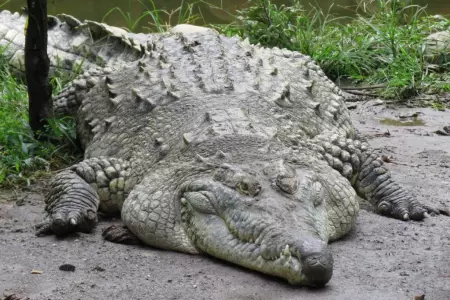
67, 267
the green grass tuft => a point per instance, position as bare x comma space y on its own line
156, 20
380, 45
22, 157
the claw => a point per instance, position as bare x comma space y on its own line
43, 228
73, 222
425, 215
405, 217
384, 207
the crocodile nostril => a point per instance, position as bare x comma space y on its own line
248, 187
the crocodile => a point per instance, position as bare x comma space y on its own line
206, 144
74, 47
72, 44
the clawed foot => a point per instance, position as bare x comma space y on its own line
405, 210
71, 206
63, 223
120, 235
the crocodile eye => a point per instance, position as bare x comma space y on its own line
287, 184
242, 187
249, 188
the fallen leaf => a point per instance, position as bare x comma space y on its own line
36, 272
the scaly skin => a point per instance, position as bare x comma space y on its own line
71, 44
74, 46
210, 145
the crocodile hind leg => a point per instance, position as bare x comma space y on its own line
78, 193
369, 176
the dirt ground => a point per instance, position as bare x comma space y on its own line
381, 259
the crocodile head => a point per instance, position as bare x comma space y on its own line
269, 217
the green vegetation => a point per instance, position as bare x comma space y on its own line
22, 157
160, 20
384, 44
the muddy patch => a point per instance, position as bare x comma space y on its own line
402, 122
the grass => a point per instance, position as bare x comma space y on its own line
383, 43
22, 157
157, 20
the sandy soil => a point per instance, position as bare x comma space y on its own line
381, 259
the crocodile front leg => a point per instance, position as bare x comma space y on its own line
76, 195
374, 182
370, 177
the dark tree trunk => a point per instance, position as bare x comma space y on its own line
37, 64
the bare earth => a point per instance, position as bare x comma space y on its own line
381, 259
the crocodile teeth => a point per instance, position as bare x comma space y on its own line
183, 201
286, 251
284, 259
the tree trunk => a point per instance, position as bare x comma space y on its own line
37, 64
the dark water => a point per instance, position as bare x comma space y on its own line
96, 9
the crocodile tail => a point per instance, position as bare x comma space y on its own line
72, 44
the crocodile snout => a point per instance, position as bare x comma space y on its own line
318, 268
